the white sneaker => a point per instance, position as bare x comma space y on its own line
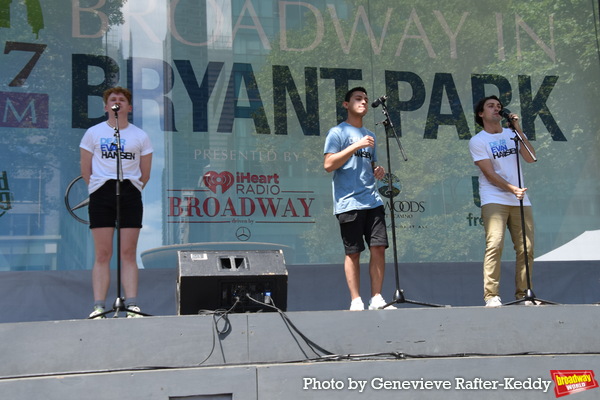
96, 313
357, 305
531, 303
377, 303
132, 312
495, 301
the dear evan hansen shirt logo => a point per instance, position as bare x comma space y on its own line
500, 149
108, 146
570, 381
364, 154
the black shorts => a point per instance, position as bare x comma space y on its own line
359, 224
103, 206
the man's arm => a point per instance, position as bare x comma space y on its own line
145, 166
85, 164
487, 168
524, 153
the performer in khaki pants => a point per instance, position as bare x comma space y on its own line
494, 152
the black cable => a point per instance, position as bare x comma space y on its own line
312, 345
218, 315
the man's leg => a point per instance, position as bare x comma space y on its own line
516, 233
129, 267
103, 244
352, 270
377, 269
376, 237
495, 217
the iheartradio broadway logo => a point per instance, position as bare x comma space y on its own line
213, 179
247, 182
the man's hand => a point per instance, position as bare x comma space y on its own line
520, 193
366, 141
379, 172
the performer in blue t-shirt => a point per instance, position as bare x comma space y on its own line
350, 153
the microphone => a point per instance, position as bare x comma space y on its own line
378, 101
506, 114
115, 107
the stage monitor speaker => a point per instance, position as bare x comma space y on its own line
216, 280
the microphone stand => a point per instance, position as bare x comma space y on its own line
529, 295
390, 131
119, 304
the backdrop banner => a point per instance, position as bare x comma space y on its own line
238, 96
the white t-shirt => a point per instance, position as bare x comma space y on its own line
500, 149
101, 142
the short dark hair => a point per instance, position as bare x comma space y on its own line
354, 89
479, 107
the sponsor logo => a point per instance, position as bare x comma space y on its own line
384, 186
243, 234
241, 198
405, 211
212, 180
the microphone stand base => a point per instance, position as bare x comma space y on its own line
400, 299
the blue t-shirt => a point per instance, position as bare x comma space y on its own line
354, 186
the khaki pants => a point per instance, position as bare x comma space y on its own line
496, 218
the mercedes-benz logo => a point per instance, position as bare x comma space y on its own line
78, 193
243, 234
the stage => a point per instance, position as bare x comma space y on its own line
314, 350
469, 352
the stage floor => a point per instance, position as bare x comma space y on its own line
469, 352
